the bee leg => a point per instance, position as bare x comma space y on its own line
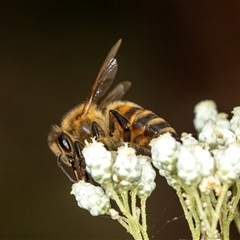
97, 131
79, 165
122, 121
59, 163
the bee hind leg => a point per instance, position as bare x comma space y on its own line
122, 121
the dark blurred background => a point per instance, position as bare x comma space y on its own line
175, 54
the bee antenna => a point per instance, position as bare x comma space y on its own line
59, 163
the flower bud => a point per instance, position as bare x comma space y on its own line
114, 214
223, 121
188, 140
189, 169
224, 136
98, 161
164, 152
235, 122
205, 160
91, 198
146, 184
126, 169
207, 134
210, 183
203, 111
228, 163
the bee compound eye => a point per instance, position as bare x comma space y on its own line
64, 142
78, 149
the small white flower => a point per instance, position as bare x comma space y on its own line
235, 122
164, 152
210, 183
207, 134
203, 111
114, 214
236, 111
146, 184
98, 161
214, 135
218, 153
205, 160
224, 136
91, 198
222, 120
126, 169
189, 169
228, 163
188, 140
237, 133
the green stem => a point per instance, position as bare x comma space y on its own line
133, 204
132, 218
234, 211
189, 215
131, 223
144, 220
237, 219
202, 213
124, 196
116, 198
216, 215
209, 209
223, 218
124, 223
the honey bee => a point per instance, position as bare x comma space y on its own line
111, 122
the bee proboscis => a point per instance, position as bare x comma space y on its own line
111, 122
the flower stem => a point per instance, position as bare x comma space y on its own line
132, 222
216, 215
144, 221
234, 211
189, 214
133, 204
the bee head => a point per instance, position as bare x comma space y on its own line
61, 145
67, 151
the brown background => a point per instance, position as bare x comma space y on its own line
175, 54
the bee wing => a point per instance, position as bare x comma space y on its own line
104, 78
115, 94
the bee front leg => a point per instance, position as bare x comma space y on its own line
79, 165
116, 117
97, 131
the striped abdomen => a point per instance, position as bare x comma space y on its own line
144, 124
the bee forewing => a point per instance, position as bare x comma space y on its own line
106, 80
115, 94
104, 77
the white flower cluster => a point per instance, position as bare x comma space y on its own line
165, 151
214, 157
91, 198
99, 162
146, 184
124, 171
235, 122
206, 163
